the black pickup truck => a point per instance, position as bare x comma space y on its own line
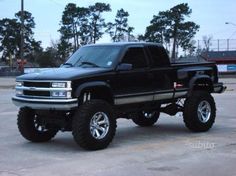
102, 82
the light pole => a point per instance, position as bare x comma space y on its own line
231, 34
22, 31
233, 25
230, 23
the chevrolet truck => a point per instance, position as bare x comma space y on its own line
103, 82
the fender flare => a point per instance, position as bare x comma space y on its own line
92, 84
197, 78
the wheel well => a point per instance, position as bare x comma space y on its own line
203, 84
101, 92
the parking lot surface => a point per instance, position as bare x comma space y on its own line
168, 148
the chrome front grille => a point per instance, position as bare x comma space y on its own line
43, 89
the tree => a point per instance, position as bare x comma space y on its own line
171, 24
157, 31
120, 28
131, 37
207, 40
82, 25
176, 15
69, 24
10, 38
47, 58
190, 48
64, 49
96, 22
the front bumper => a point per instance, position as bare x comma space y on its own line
45, 104
219, 88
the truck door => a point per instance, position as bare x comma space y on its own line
161, 73
133, 86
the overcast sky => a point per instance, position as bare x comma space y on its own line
211, 15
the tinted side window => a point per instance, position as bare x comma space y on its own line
136, 57
159, 56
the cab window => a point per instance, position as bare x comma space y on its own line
159, 56
136, 57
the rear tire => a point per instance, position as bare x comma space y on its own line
145, 119
199, 111
94, 125
31, 128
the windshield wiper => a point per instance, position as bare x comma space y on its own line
69, 64
89, 63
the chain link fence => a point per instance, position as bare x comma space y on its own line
216, 45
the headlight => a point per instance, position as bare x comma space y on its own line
59, 84
61, 89
61, 94
19, 84
19, 92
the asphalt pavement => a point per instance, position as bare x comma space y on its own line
167, 148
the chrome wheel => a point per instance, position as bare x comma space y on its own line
33, 127
204, 111
99, 125
38, 125
148, 115
146, 118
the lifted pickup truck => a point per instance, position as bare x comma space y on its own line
100, 83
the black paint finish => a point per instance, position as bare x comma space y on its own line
151, 78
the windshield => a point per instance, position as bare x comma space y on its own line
94, 56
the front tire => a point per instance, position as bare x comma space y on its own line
31, 127
199, 111
94, 125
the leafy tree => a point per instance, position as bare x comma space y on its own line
55, 54
69, 24
171, 24
190, 48
96, 22
64, 49
47, 58
10, 38
131, 37
182, 32
75, 25
120, 28
157, 30
81, 25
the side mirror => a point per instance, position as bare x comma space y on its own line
124, 67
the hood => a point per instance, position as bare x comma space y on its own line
70, 73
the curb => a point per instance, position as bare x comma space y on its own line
7, 87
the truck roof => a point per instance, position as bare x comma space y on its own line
126, 44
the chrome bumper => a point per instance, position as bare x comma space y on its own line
219, 88
46, 104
